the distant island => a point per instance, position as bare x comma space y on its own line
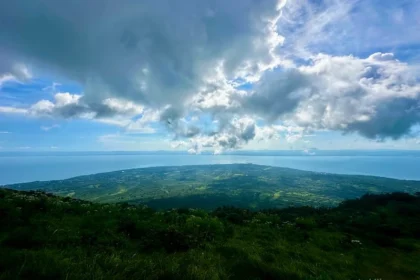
236, 221
210, 186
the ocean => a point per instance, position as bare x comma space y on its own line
19, 168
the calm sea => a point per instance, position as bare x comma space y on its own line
25, 168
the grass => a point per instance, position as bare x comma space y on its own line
47, 237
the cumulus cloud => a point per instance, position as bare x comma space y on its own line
276, 93
153, 52
232, 136
378, 96
215, 74
142, 124
67, 105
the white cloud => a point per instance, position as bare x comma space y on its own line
309, 152
48, 128
266, 133
218, 75
52, 88
341, 27
123, 107
67, 105
142, 125
5, 78
12, 110
4, 132
130, 142
12, 71
152, 52
378, 97
43, 107
312, 26
24, 147
122, 122
138, 125
233, 135
64, 105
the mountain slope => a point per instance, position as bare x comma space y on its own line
211, 186
47, 237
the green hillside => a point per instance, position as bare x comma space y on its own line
47, 237
210, 186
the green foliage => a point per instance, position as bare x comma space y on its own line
48, 237
211, 186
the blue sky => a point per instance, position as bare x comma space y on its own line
219, 76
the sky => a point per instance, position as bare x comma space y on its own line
212, 75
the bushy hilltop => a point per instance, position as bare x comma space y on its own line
47, 237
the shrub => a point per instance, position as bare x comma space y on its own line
305, 223
23, 238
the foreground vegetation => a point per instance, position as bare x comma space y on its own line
47, 237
